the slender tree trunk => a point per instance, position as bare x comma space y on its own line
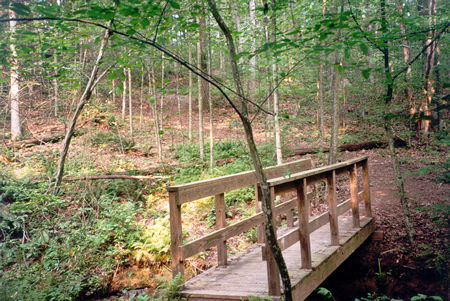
202, 85
252, 81
114, 91
277, 130
177, 74
16, 127
271, 239
93, 81
425, 107
55, 85
163, 87
211, 121
320, 88
155, 114
141, 96
190, 93
388, 129
124, 94
130, 102
406, 58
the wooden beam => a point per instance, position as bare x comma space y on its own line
273, 274
332, 209
221, 222
303, 231
354, 195
176, 238
366, 187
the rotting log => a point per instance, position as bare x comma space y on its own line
399, 142
29, 142
112, 177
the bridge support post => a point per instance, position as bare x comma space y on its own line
303, 216
219, 200
354, 195
273, 274
332, 208
176, 236
366, 187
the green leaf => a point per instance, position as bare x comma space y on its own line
347, 53
174, 4
366, 73
160, 132
364, 48
20, 9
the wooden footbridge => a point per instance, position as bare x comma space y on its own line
313, 246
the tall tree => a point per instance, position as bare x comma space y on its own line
16, 127
265, 193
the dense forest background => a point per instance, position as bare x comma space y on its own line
106, 103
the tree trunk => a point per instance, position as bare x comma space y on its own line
93, 81
425, 106
276, 121
163, 87
406, 57
202, 84
320, 88
130, 102
190, 93
55, 86
252, 63
16, 127
154, 106
265, 193
124, 94
141, 95
211, 121
114, 91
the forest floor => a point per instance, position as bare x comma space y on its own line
386, 263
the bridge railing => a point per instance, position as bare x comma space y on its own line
295, 176
217, 187
307, 224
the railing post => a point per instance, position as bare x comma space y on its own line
273, 275
176, 237
332, 208
260, 227
366, 186
354, 195
219, 200
303, 222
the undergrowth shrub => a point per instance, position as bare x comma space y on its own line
111, 139
54, 248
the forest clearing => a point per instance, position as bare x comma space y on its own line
109, 107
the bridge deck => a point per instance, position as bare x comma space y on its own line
246, 275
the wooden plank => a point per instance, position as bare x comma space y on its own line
200, 189
219, 200
303, 231
338, 168
366, 187
332, 208
273, 274
176, 238
354, 196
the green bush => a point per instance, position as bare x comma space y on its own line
112, 140
57, 249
